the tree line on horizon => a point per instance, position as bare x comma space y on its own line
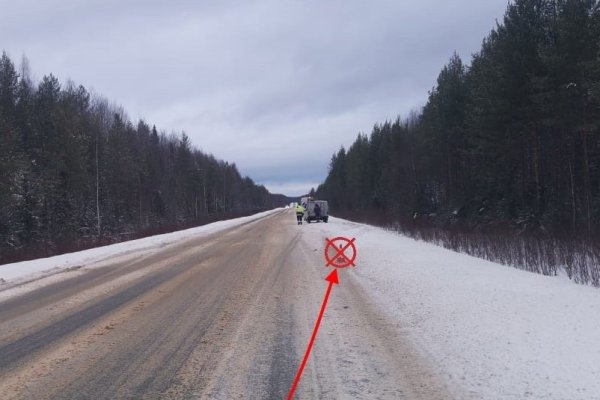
74, 166
511, 140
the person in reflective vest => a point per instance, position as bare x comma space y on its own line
299, 213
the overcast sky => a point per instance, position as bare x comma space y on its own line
274, 86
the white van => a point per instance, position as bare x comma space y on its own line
316, 210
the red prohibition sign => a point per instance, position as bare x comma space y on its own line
340, 245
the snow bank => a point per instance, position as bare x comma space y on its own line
495, 331
33, 269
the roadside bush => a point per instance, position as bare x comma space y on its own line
48, 249
578, 258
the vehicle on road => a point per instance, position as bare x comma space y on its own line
304, 200
316, 210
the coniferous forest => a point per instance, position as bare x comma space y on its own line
76, 172
504, 149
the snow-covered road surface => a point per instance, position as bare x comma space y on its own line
224, 311
494, 331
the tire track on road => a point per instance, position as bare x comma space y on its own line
28, 348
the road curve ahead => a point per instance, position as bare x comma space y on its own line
224, 316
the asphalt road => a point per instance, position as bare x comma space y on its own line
225, 316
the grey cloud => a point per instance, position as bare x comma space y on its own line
275, 86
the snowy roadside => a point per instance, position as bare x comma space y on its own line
26, 271
495, 331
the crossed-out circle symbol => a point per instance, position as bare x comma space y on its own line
340, 245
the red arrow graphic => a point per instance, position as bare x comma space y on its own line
332, 278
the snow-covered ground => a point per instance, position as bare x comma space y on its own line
495, 331
14, 273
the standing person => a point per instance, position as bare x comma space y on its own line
299, 213
317, 211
